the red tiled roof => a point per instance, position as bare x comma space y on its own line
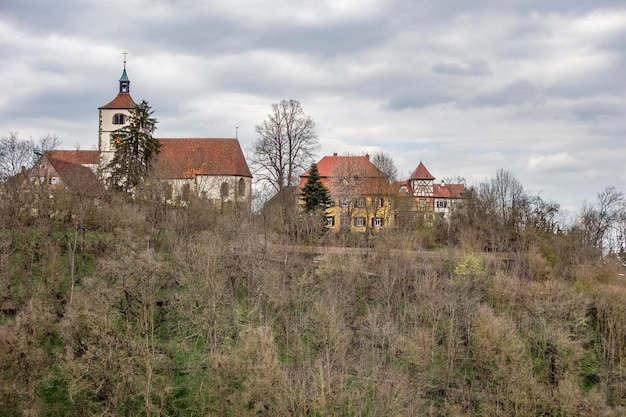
421, 173
76, 176
448, 190
186, 158
121, 101
364, 174
75, 156
334, 165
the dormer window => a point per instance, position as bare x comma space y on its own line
119, 119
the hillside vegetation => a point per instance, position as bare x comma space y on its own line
125, 309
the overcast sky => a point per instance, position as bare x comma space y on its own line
535, 87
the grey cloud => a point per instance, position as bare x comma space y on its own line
419, 95
416, 100
593, 110
468, 67
603, 82
519, 92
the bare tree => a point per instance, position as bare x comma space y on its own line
599, 221
48, 142
285, 146
385, 163
497, 209
15, 154
455, 179
506, 197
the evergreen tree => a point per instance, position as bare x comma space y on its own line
135, 149
314, 193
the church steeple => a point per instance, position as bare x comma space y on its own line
113, 116
124, 81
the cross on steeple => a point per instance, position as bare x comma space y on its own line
124, 81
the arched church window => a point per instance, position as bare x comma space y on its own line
119, 119
241, 187
224, 190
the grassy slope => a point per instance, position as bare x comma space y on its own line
220, 322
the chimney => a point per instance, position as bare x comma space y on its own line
367, 156
335, 154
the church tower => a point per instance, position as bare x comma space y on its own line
113, 116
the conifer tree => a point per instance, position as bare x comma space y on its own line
314, 193
135, 149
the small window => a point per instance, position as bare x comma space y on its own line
345, 202
422, 202
186, 191
359, 221
442, 204
344, 222
377, 222
330, 221
224, 190
119, 119
360, 202
42, 180
241, 187
54, 180
378, 202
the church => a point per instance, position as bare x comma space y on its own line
214, 169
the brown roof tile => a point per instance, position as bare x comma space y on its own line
367, 177
421, 173
76, 176
75, 156
121, 101
188, 157
448, 190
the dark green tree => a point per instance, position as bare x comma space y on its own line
135, 149
314, 193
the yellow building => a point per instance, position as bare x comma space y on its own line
361, 193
